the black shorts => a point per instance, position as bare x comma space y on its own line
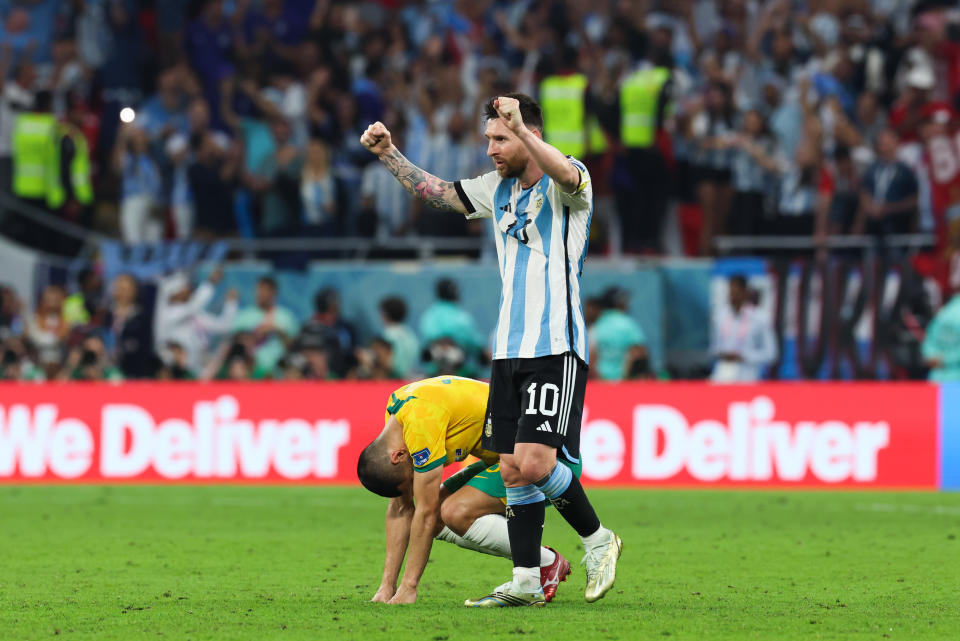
536, 400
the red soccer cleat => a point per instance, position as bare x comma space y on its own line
551, 575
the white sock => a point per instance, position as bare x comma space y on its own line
598, 538
547, 556
527, 579
489, 535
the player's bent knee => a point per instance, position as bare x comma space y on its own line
534, 469
456, 515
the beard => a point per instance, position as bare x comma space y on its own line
511, 169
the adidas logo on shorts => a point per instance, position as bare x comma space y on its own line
544, 427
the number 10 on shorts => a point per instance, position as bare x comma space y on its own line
549, 399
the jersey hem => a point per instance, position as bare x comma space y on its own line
540, 354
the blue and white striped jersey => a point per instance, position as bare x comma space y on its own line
542, 235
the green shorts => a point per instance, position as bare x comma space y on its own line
489, 481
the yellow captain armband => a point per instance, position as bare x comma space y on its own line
584, 176
584, 181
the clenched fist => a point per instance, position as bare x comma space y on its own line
509, 111
377, 139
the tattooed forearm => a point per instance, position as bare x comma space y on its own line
437, 193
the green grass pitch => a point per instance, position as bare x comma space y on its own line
259, 563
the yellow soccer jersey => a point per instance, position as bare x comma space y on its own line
442, 420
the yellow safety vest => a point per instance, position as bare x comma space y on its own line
79, 169
639, 96
598, 139
31, 142
561, 98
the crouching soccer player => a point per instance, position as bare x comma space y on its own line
431, 424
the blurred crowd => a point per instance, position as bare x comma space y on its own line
702, 118
180, 329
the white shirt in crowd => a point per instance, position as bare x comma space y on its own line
189, 323
13, 100
748, 334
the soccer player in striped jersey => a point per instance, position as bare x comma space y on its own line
540, 203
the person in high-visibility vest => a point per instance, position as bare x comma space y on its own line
568, 124
32, 143
642, 201
564, 117
68, 177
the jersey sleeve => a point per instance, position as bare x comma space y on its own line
476, 194
582, 196
424, 432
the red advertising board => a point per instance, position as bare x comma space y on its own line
848, 435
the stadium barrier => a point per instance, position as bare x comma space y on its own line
845, 435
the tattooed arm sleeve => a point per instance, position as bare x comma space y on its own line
437, 193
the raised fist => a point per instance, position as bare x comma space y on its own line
377, 139
509, 110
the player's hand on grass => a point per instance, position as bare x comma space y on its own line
384, 594
405, 595
377, 139
509, 110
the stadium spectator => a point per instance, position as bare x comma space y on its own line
888, 195
448, 332
742, 338
17, 362
618, 344
845, 200
90, 361
915, 103
236, 361
270, 327
47, 329
176, 365
641, 180
11, 313
184, 323
375, 363
804, 193
16, 98
210, 46
329, 329
120, 74
404, 346
129, 330
86, 306
941, 345
278, 181
318, 191
141, 184
165, 113
206, 169
713, 128
309, 360
65, 75
754, 166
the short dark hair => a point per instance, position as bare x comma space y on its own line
377, 473
529, 110
739, 280
269, 281
325, 299
447, 290
394, 309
